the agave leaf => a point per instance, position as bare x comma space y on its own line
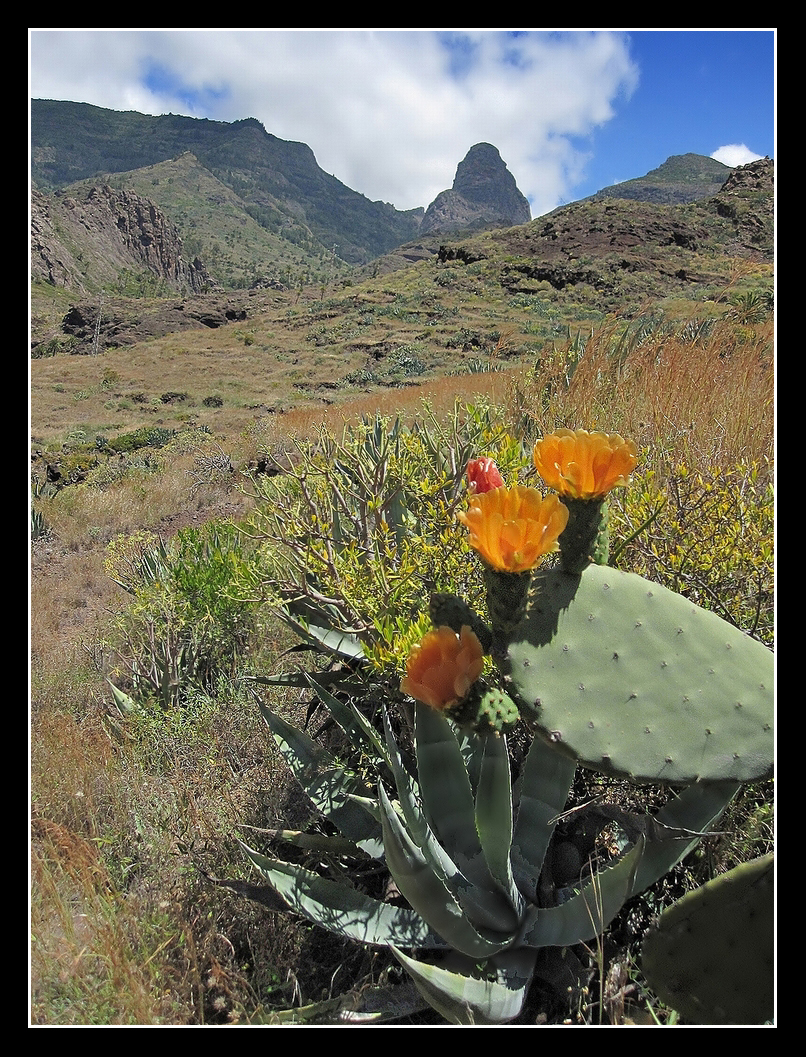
407, 787
588, 912
466, 998
338, 643
343, 910
361, 734
302, 679
485, 906
444, 784
328, 784
541, 793
423, 885
693, 810
361, 1005
321, 843
488, 904
494, 815
123, 702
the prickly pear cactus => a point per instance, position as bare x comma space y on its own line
634, 680
586, 537
712, 956
486, 712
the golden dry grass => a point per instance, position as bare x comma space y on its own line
707, 400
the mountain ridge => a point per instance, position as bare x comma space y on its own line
71, 142
258, 210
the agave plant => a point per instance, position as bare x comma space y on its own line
466, 847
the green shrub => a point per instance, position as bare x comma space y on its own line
360, 532
144, 437
186, 625
709, 538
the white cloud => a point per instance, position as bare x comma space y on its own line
389, 113
735, 154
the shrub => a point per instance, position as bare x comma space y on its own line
186, 625
359, 531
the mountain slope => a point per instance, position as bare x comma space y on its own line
623, 252
681, 178
76, 141
100, 237
580, 263
238, 243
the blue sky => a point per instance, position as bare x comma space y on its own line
391, 113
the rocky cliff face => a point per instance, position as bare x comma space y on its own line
84, 241
484, 195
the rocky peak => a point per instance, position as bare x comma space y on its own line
484, 195
755, 176
85, 239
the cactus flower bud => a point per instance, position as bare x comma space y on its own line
482, 475
582, 465
442, 667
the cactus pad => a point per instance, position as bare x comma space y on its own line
488, 712
634, 680
711, 957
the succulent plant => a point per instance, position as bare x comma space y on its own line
711, 956
609, 671
466, 851
636, 681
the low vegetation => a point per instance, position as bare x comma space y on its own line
167, 533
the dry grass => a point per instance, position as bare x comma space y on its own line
440, 394
706, 400
126, 930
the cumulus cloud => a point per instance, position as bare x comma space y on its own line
735, 154
389, 113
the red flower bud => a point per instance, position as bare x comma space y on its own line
482, 475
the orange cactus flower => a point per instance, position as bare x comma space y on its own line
582, 465
482, 475
442, 667
512, 528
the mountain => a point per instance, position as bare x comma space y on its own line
127, 209
484, 195
579, 262
681, 178
89, 240
623, 253
279, 182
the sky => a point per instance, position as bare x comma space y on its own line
391, 113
